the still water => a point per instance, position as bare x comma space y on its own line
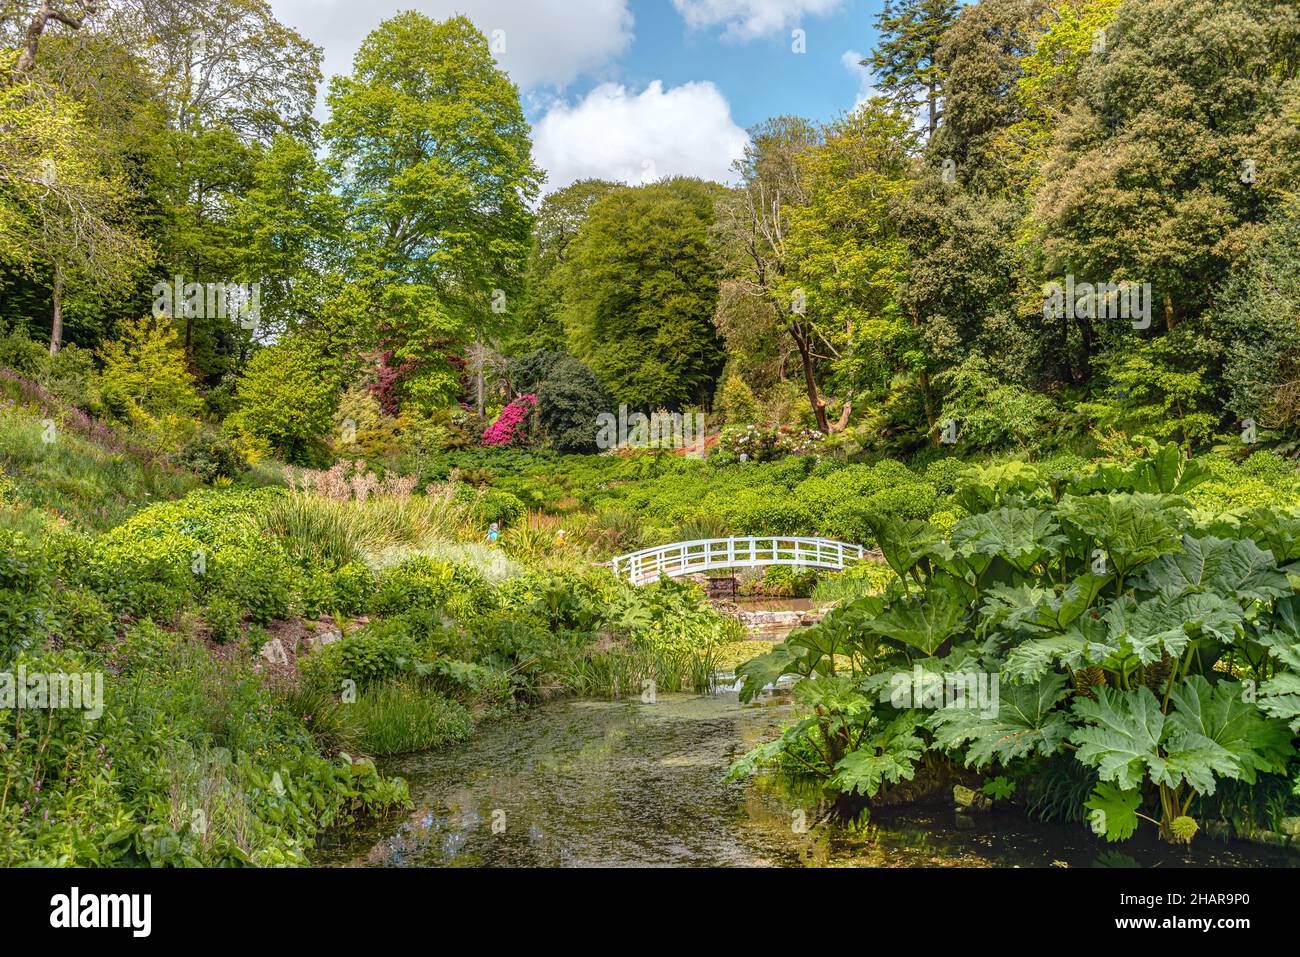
627, 783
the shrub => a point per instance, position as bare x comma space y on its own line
992, 414
422, 583
736, 402
224, 618
766, 443
377, 652
569, 398
211, 457
514, 426
257, 578
84, 619
286, 397
500, 507
147, 367
25, 596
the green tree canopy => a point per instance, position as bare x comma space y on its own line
642, 286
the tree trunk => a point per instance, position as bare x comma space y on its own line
480, 400
809, 381
36, 27
56, 322
927, 395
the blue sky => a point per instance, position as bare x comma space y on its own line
635, 90
760, 77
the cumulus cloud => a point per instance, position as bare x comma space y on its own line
852, 61
546, 42
616, 134
749, 19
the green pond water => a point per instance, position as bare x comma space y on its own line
628, 783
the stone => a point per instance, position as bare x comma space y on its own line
1290, 826
968, 800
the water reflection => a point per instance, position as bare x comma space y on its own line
579, 783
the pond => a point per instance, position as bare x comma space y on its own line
631, 783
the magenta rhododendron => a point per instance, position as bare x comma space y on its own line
511, 427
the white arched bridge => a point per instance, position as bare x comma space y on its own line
690, 558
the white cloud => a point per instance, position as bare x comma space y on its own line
852, 61
636, 138
547, 42
750, 19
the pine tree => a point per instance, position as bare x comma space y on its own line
906, 59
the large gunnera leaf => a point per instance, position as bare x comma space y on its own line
887, 755
923, 622
1112, 812
1023, 724
1021, 536
1221, 714
1231, 567
1131, 529
1126, 739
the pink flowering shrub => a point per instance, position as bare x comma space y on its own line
512, 426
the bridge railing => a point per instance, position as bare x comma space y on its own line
689, 558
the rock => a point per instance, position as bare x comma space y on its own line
968, 800
273, 652
1290, 826
322, 638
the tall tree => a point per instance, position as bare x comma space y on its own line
906, 61
62, 204
290, 226
1175, 154
430, 144
642, 283
540, 322
754, 317
846, 258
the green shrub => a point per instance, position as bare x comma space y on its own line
377, 652
224, 616
26, 602
500, 507
422, 583
84, 619
211, 457
258, 578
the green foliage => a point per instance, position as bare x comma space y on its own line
286, 399
397, 718
430, 145
569, 398
147, 367
25, 596
211, 458
422, 583
1094, 615
736, 402
1153, 389
641, 290
992, 414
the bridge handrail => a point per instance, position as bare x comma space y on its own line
704, 554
